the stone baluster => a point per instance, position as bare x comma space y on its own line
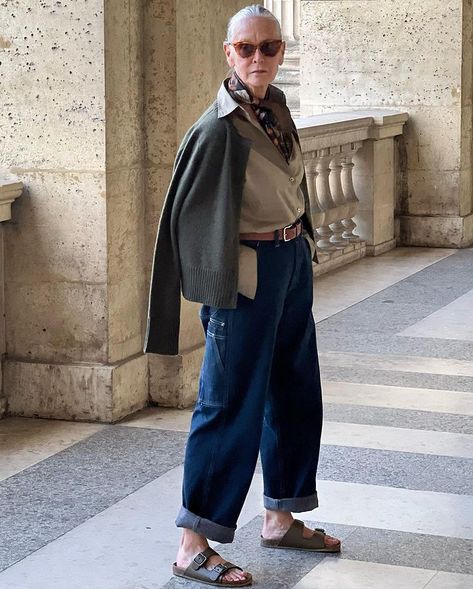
339, 199
350, 194
325, 199
316, 211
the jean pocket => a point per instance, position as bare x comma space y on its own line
212, 383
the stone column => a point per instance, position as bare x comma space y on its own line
74, 290
112, 88
10, 189
288, 78
180, 83
418, 58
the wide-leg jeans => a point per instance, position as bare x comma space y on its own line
259, 390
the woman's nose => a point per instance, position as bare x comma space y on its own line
258, 56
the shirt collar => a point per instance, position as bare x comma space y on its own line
226, 104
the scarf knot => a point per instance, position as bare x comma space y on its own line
240, 92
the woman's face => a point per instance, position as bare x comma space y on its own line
258, 70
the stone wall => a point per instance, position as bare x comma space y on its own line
409, 56
111, 87
71, 132
2, 325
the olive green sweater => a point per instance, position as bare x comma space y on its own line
197, 245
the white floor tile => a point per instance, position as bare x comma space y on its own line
397, 439
404, 510
338, 290
454, 321
131, 544
398, 363
450, 581
24, 442
371, 395
350, 574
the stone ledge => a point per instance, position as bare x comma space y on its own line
438, 231
346, 127
10, 189
78, 392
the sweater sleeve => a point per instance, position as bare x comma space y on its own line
162, 332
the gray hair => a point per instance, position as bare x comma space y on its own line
250, 12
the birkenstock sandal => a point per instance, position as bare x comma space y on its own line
294, 540
196, 571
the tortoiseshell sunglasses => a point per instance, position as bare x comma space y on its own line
268, 48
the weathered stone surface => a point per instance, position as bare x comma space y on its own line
56, 322
420, 61
77, 392
58, 230
437, 231
75, 287
174, 379
52, 86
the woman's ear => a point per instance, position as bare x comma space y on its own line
283, 49
228, 54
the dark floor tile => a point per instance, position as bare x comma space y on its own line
46, 500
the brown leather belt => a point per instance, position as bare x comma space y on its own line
285, 234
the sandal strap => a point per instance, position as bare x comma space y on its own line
220, 569
294, 538
201, 558
198, 572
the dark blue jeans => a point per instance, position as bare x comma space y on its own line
259, 391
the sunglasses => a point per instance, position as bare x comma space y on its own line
267, 48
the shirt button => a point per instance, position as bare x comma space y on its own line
298, 210
292, 179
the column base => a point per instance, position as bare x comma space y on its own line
455, 232
77, 392
380, 248
173, 380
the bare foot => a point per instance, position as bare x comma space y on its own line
191, 544
277, 523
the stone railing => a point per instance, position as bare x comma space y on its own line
10, 189
350, 169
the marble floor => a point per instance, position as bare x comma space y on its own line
90, 506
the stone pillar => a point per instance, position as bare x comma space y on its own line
10, 189
420, 60
74, 290
180, 83
288, 78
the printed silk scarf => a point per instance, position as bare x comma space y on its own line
240, 92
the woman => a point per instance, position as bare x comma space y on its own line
236, 235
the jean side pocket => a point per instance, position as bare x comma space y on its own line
212, 384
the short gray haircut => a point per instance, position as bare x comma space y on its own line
250, 12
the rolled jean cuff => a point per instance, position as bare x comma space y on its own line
204, 527
297, 504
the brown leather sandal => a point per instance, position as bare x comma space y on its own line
196, 571
294, 540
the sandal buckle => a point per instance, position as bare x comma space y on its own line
200, 559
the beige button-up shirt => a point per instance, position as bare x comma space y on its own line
272, 197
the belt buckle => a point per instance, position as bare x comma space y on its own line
284, 233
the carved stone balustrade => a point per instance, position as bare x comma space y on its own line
350, 169
10, 189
